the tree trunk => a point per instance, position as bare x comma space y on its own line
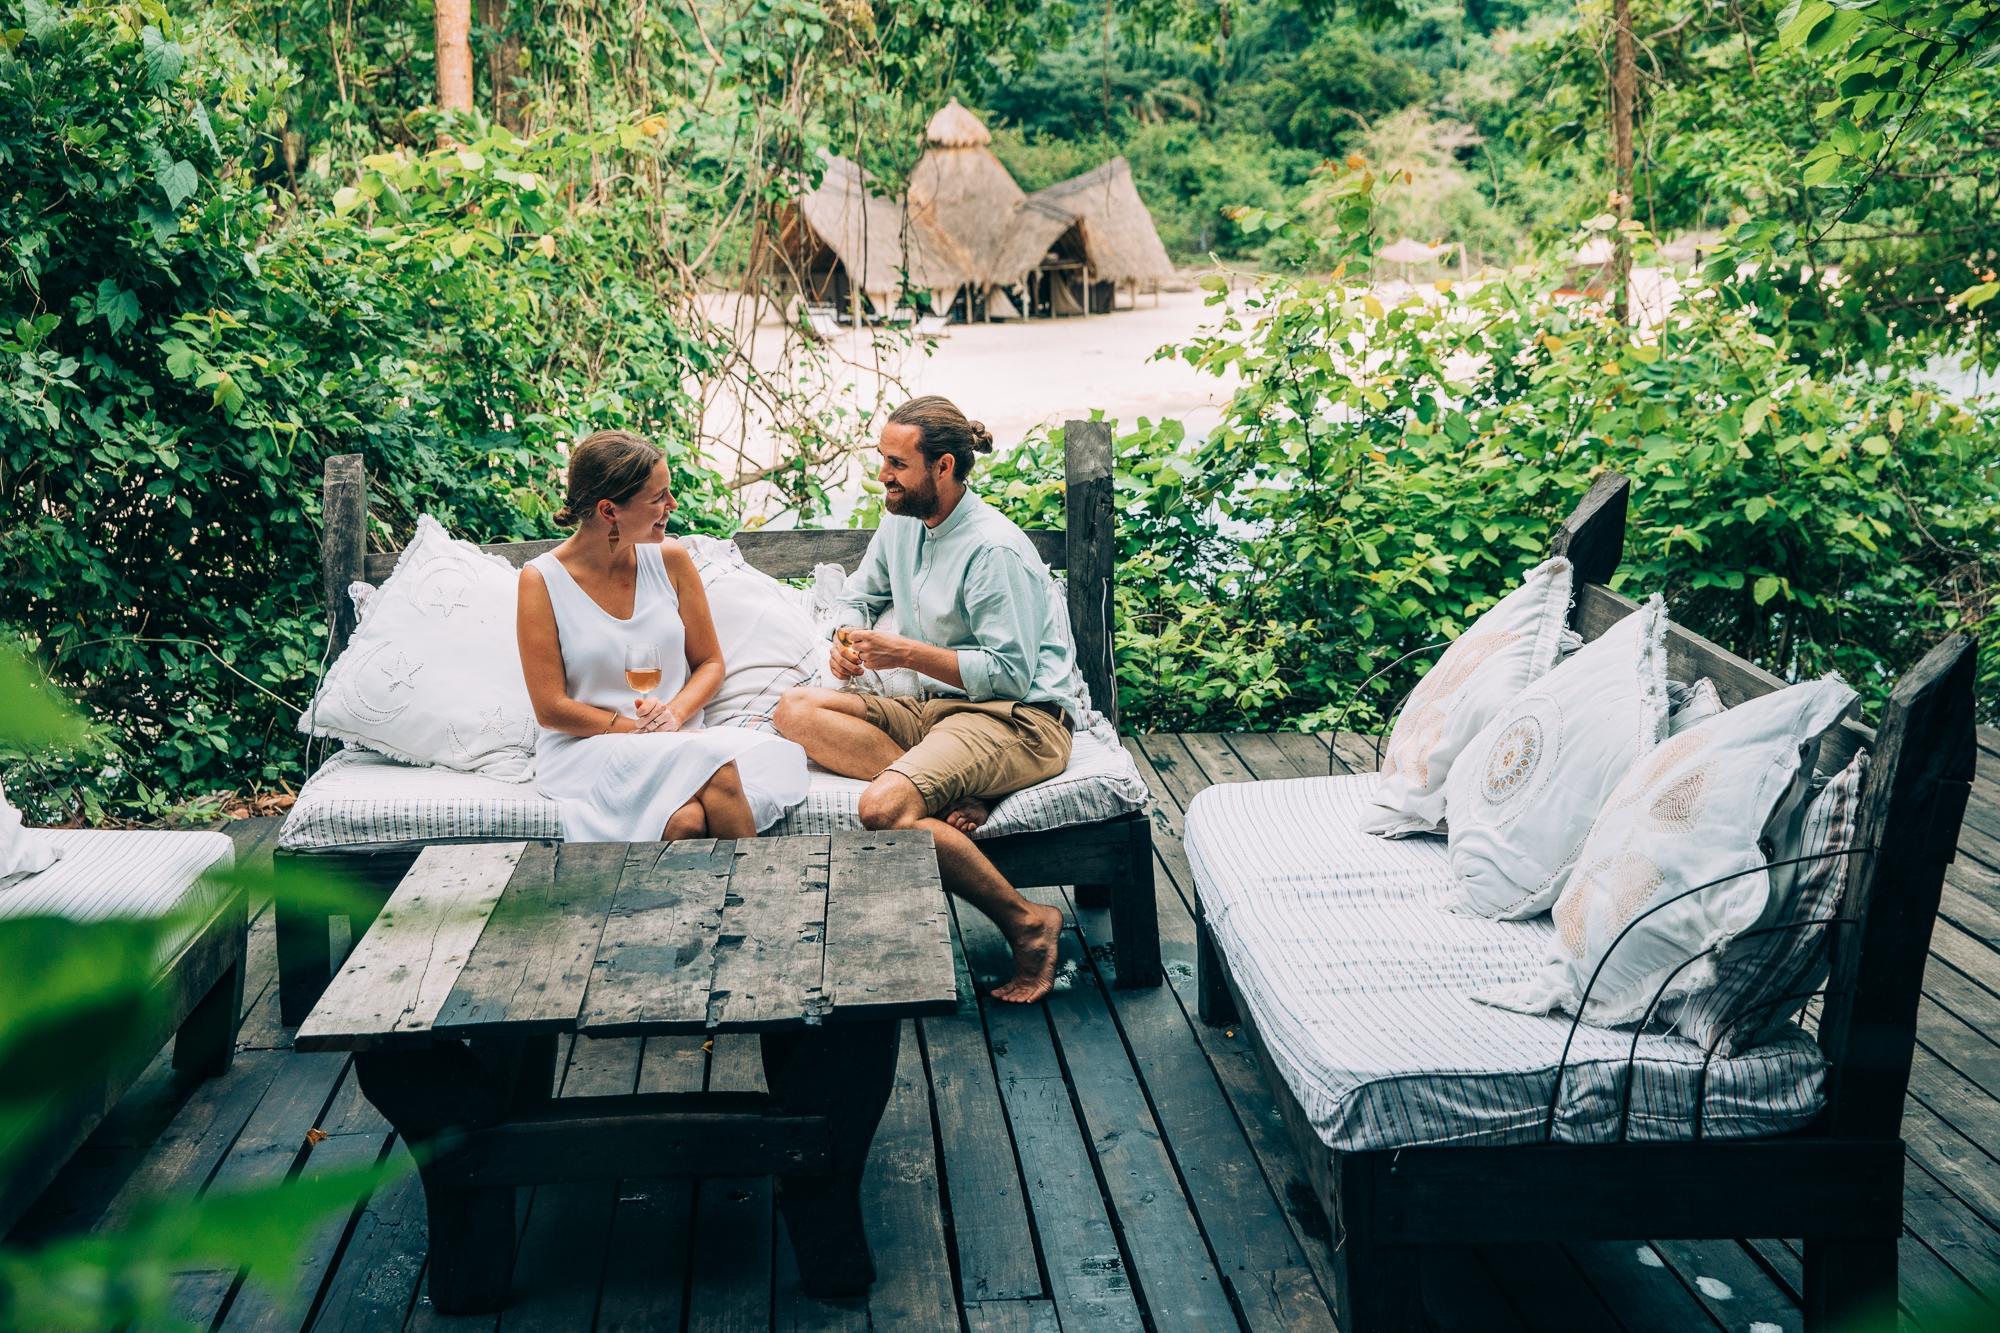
454, 55
1624, 90
503, 64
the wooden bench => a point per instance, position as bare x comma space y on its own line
1109, 861
1838, 1184
197, 1001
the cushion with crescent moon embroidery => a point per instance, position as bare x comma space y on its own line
432, 674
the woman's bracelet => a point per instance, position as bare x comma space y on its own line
609, 725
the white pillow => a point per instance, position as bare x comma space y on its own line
23, 851
1525, 792
1689, 704
1512, 645
432, 674
765, 630
1701, 808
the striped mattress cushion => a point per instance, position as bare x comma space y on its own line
361, 799
1360, 977
106, 873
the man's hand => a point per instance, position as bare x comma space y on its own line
880, 652
845, 665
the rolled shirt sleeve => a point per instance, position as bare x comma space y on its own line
867, 593
1006, 604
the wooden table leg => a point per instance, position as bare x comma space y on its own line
430, 1095
844, 1071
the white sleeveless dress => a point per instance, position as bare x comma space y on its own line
624, 787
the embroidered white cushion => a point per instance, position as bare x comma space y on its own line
1513, 644
765, 631
1685, 832
432, 674
23, 851
1523, 795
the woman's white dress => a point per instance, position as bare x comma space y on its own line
624, 787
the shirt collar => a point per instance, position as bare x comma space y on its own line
956, 520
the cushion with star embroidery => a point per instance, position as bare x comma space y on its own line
1507, 649
432, 673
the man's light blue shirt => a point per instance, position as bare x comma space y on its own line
974, 584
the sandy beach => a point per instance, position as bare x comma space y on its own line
1013, 376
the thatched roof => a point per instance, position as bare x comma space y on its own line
875, 238
1118, 232
964, 192
955, 127
1034, 226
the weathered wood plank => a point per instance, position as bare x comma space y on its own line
769, 948
1635, 1283
990, 1228
530, 968
1086, 1270
888, 933
404, 969
1172, 1266
261, 1309
657, 956
274, 1138
900, 1200
783, 553
1022, 1316
648, 1251
194, 1144
731, 1274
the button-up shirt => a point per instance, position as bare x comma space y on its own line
976, 585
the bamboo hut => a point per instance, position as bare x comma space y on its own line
853, 249
1121, 246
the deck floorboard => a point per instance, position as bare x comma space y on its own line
1104, 1161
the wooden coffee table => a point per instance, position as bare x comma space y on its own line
454, 999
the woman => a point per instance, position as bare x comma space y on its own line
631, 769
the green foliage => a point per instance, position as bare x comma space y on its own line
1384, 473
181, 362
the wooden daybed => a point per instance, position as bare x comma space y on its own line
1110, 861
197, 994
1836, 1182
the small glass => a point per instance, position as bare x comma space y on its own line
642, 667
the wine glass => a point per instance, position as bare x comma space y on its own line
642, 667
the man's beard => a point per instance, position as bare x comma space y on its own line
913, 503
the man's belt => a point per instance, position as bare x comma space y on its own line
1054, 710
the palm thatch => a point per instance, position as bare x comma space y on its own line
1118, 232
1033, 229
876, 240
962, 190
955, 127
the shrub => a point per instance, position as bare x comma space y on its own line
182, 360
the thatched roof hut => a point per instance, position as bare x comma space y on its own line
875, 240
1118, 232
963, 191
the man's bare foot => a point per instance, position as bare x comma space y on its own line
967, 815
1034, 959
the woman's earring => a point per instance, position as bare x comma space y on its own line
614, 534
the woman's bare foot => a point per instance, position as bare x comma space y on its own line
967, 815
1034, 958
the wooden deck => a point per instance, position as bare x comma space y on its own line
1103, 1161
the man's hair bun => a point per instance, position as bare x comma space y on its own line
982, 438
944, 430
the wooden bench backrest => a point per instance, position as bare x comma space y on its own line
1920, 773
1085, 548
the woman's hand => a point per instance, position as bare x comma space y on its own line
656, 715
879, 652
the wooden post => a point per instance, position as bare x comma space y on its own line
1919, 779
343, 543
1093, 557
1593, 536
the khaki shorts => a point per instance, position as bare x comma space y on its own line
955, 749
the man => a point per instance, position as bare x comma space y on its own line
1000, 692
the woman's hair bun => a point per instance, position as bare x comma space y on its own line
567, 517
982, 438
